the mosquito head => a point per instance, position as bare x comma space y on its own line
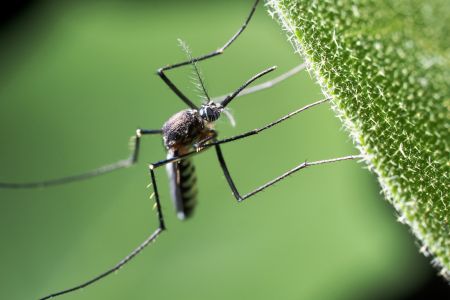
210, 111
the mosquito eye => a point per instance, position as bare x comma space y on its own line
209, 114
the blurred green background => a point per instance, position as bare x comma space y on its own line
78, 78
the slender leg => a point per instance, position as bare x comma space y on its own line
240, 136
304, 165
234, 94
125, 163
258, 130
219, 51
130, 256
267, 84
201, 144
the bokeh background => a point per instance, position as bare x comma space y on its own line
77, 78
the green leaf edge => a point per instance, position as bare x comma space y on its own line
437, 246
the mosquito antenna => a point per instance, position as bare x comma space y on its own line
235, 93
198, 75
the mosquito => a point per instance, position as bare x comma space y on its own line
188, 133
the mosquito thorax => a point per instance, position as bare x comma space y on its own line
184, 129
210, 111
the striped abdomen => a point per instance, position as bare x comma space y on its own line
183, 186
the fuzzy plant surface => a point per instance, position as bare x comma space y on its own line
386, 65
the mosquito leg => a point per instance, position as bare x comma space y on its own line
267, 84
130, 256
224, 167
206, 146
180, 157
258, 130
304, 165
125, 163
219, 51
137, 142
162, 225
201, 144
234, 94
209, 144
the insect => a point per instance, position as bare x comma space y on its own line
186, 134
